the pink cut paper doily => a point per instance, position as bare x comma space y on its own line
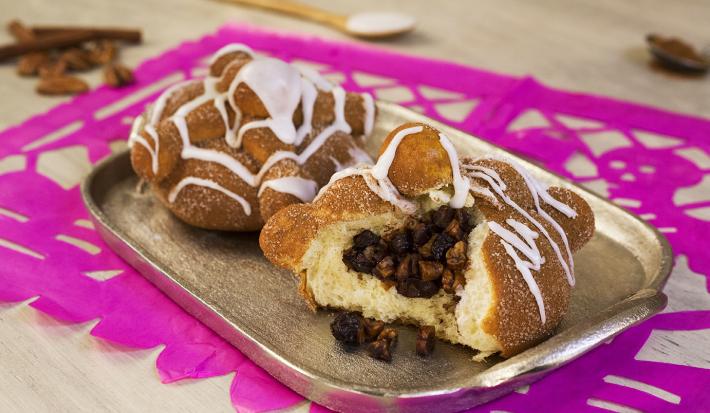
653, 162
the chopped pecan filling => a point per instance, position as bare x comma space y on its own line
427, 254
426, 339
353, 329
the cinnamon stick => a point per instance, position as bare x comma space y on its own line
46, 43
113, 33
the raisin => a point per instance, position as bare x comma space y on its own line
442, 216
373, 254
356, 260
385, 268
380, 350
421, 234
348, 327
425, 341
456, 256
401, 242
416, 288
408, 267
365, 238
441, 244
430, 270
373, 329
465, 220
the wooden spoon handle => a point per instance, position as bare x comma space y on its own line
296, 8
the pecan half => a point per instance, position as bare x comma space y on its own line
61, 85
117, 75
30, 64
77, 59
102, 52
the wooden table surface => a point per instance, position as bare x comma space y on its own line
593, 46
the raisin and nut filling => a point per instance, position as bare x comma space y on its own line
427, 254
352, 329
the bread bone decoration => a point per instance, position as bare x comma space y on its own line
476, 248
255, 135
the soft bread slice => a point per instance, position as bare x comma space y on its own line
496, 310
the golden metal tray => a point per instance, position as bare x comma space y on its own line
224, 280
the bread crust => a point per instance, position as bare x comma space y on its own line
206, 207
513, 319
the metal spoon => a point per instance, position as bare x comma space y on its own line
673, 61
368, 25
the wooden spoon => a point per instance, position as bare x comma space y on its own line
368, 25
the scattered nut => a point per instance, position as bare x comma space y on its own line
52, 68
430, 270
77, 59
117, 75
380, 350
389, 334
385, 268
29, 64
427, 253
61, 85
102, 52
373, 329
456, 256
425, 341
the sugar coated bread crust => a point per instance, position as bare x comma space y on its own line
257, 134
519, 272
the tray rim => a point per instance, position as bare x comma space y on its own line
638, 307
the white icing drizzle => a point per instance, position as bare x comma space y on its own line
278, 86
490, 172
538, 192
359, 156
316, 79
159, 106
461, 186
156, 113
512, 242
192, 180
231, 48
308, 101
230, 131
529, 249
135, 137
281, 88
369, 104
381, 187
484, 192
301, 188
382, 167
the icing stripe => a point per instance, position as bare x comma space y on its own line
281, 88
192, 180
461, 186
382, 167
369, 104
301, 188
230, 48
538, 192
381, 187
